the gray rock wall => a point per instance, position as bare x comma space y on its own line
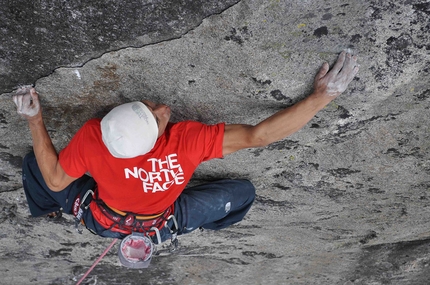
40, 36
343, 201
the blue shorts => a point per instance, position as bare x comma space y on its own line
213, 205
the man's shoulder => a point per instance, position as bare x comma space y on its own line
92, 125
191, 124
180, 126
184, 128
93, 122
191, 129
89, 129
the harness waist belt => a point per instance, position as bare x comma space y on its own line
127, 222
139, 217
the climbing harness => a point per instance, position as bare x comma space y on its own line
138, 247
136, 250
127, 222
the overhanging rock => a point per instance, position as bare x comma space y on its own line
39, 36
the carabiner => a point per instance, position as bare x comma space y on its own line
174, 239
174, 222
157, 234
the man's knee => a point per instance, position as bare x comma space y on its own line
248, 186
246, 190
29, 156
28, 160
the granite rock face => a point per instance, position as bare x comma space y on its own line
343, 201
39, 36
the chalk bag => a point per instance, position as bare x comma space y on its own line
135, 251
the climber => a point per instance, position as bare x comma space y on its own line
128, 171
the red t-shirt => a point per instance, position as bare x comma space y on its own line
150, 183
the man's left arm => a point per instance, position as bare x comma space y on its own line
327, 86
28, 106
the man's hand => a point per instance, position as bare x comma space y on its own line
327, 86
334, 82
27, 102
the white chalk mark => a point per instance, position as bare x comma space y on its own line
77, 73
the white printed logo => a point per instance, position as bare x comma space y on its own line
163, 174
227, 207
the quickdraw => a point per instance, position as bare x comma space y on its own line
82, 208
174, 243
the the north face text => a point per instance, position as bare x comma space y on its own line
163, 174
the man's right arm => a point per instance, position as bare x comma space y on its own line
328, 84
28, 106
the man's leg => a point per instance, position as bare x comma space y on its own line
214, 205
42, 200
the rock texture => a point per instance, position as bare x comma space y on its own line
343, 201
39, 36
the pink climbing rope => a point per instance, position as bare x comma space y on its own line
97, 261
